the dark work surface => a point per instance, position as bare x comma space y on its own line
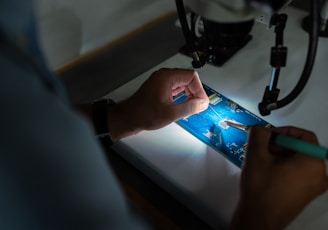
100, 75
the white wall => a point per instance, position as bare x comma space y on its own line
71, 28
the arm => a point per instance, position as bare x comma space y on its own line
277, 184
152, 107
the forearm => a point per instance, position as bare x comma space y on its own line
120, 124
151, 106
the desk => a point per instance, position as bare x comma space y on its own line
202, 179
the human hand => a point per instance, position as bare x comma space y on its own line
152, 107
276, 184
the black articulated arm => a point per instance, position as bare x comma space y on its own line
265, 107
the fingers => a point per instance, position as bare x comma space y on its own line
153, 106
189, 107
275, 181
261, 150
260, 136
258, 143
297, 133
184, 80
190, 80
180, 80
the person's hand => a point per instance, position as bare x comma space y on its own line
152, 107
276, 184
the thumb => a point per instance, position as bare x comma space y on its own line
190, 107
258, 141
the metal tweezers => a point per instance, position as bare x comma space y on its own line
237, 125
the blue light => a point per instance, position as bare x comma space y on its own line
209, 126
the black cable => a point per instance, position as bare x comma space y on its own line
193, 25
187, 34
312, 49
184, 25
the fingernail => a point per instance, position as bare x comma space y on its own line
203, 106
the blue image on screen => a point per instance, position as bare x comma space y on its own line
210, 127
